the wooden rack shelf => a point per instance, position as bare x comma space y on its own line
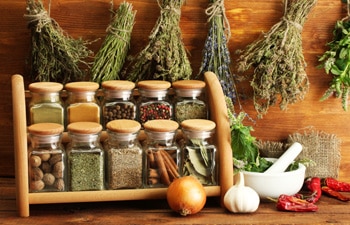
218, 112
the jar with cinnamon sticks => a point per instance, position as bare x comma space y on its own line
162, 154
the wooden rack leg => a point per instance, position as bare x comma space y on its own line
20, 145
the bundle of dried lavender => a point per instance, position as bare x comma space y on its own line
216, 55
110, 59
55, 56
165, 57
279, 73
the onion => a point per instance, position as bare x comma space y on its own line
186, 195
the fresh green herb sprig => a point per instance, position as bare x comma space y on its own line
279, 75
55, 56
165, 56
110, 59
337, 62
216, 56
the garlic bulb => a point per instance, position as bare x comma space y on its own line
240, 198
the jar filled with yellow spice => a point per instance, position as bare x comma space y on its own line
82, 104
47, 158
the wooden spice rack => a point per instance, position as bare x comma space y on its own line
218, 112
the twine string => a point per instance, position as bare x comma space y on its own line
218, 9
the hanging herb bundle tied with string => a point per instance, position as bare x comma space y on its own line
337, 62
279, 75
110, 59
55, 56
165, 56
216, 55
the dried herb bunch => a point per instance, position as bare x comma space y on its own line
279, 75
337, 62
216, 55
165, 56
110, 59
55, 56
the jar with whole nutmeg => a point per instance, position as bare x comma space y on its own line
124, 155
162, 154
199, 152
47, 158
118, 102
85, 157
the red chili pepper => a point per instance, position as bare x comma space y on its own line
292, 203
314, 185
336, 185
330, 192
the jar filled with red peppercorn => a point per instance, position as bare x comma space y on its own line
118, 102
154, 103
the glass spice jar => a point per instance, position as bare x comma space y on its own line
162, 154
189, 103
86, 157
154, 103
199, 154
118, 102
47, 158
82, 104
124, 155
45, 105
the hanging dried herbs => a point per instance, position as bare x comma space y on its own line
110, 59
216, 55
337, 62
165, 57
279, 75
55, 56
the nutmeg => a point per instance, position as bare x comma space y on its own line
45, 156
48, 179
35, 161
59, 184
57, 170
36, 185
46, 167
55, 158
36, 174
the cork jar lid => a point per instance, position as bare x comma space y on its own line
123, 126
118, 85
81, 86
45, 129
45, 87
161, 125
154, 84
188, 84
198, 125
84, 127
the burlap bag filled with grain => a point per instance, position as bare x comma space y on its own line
321, 148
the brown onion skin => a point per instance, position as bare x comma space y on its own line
186, 195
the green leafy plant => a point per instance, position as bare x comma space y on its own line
337, 62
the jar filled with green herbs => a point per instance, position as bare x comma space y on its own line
45, 105
86, 157
124, 154
154, 102
199, 154
189, 100
82, 104
118, 102
46, 158
162, 154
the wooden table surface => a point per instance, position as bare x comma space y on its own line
330, 211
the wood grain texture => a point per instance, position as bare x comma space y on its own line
88, 19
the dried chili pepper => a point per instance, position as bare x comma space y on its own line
295, 204
314, 185
330, 192
335, 184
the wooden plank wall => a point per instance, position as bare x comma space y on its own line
88, 19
